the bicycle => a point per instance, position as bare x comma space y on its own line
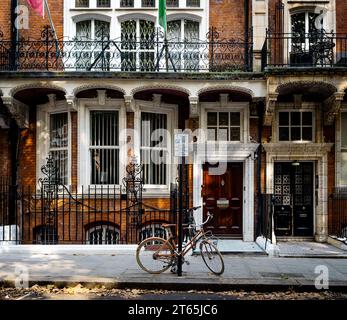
155, 255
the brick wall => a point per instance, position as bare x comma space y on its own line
5, 153
341, 16
5, 17
27, 158
35, 21
228, 17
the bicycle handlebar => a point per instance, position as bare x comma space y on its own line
209, 217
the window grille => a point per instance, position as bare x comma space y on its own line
103, 3
82, 4
59, 134
154, 150
172, 3
186, 55
102, 234
97, 32
104, 147
193, 3
127, 3
147, 3
138, 47
153, 230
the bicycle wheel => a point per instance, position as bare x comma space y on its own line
212, 257
155, 255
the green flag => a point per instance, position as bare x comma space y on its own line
162, 14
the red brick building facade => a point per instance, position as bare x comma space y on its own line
274, 98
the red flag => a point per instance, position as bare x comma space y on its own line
37, 6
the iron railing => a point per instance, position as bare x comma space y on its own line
338, 210
150, 53
90, 215
265, 218
319, 50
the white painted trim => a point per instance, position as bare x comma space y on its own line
248, 186
116, 14
304, 152
242, 107
43, 113
171, 111
84, 108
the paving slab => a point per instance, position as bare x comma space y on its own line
119, 269
309, 249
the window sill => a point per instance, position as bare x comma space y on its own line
91, 9
155, 193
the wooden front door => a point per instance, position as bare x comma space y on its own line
293, 199
222, 196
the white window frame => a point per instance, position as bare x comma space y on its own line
340, 148
241, 107
329, 22
92, 5
43, 134
91, 147
58, 149
172, 123
301, 111
84, 107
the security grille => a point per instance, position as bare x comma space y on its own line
103, 3
59, 134
82, 4
104, 147
154, 150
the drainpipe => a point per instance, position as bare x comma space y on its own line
14, 140
14, 35
247, 58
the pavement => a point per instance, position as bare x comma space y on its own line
116, 267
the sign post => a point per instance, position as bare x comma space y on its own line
181, 151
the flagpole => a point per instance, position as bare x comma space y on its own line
52, 27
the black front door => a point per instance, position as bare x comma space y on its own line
293, 188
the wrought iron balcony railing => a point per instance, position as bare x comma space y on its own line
315, 50
146, 54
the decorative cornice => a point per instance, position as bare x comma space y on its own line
92, 86
300, 149
226, 87
270, 108
193, 107
332, 107
129, 103
18, 110
71, 102
156, 86
35, 85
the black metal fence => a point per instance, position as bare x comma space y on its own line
90, 215
151, 53
266, 205
316, 49
338, 209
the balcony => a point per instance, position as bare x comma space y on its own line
150, 53
314, 50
